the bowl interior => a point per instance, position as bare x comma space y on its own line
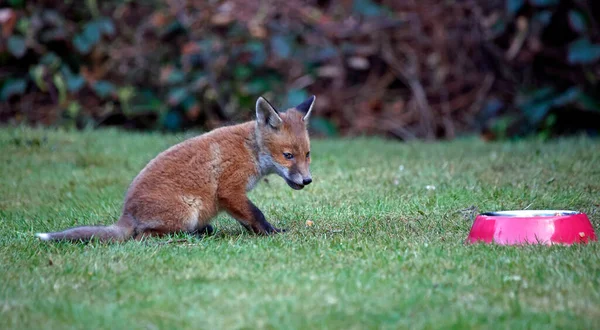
530, 213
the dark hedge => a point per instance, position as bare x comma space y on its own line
407, 69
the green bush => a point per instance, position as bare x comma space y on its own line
429, 69
144, 64
550, 56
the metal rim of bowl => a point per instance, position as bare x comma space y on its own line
530, 213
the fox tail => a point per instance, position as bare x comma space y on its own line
119, 231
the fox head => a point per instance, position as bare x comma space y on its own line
283, 141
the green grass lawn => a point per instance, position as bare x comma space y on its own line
384, 251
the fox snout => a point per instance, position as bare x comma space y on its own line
297, 181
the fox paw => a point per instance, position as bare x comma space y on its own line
205, 231
273, 230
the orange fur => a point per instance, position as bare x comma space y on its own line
184, 187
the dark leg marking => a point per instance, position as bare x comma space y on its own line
264, 227
205, 231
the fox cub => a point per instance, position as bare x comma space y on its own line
184, 187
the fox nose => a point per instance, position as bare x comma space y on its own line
306, 181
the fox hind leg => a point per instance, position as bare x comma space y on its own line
166, 217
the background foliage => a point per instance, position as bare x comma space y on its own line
408, 69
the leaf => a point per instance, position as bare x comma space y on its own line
544, 17
103, 88
568, 96
106, 26
294, 97
492, 108
53, 35
176, 95
499, 27
37, 74
88, 38
188, 102
172, 28
52, 17
323, 126
146, 101
500, 126
513, 6
245, 101
537, 95
324, 53
259, 54
544, 3
577, 21
550, 121
81, 44
59, 83
535, 105
199, 81
535, 112
125, 94
242, 72
539, 103
17, 46
582, 51
589, 102
51, 60
281, 46
74, 81
367, 8
16, 3
73, 109
91, 32
170, 75
258, 85
23, 25
12, 87
172, 121
175, 77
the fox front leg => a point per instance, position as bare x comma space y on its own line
248, 215
264, 225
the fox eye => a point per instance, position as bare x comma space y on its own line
308, 154
287, 155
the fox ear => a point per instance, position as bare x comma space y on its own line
306, 107
266, 114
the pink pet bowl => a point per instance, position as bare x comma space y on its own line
532, 227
